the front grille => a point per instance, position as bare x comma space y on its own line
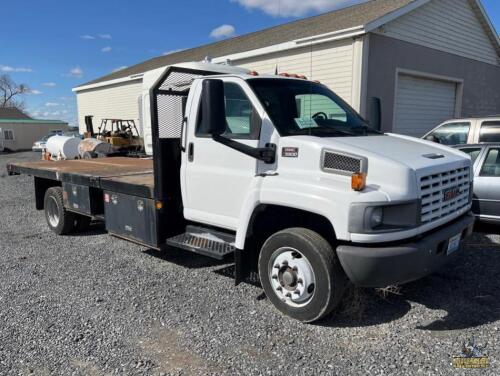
341, 163
433, 189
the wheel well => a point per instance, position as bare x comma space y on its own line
41, 186
269, 219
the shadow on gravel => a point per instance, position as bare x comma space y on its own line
94, 230
468, 290
185, 258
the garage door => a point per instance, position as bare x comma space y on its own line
421, 104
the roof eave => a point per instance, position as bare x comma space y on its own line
375, 24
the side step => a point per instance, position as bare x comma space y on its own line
204, 241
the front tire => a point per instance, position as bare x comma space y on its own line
58, 218
301, 275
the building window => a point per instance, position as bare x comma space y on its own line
8, 135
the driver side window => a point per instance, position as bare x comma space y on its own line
242, 120
319, 107
452, 133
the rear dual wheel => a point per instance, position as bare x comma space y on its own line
301, 275
60, 220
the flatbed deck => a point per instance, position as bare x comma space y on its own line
120, 174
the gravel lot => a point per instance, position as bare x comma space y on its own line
91, 304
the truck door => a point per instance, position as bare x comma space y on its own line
217, 179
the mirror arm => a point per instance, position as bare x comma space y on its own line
266, 154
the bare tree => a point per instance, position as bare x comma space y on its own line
11, 93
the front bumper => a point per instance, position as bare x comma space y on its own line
381, 266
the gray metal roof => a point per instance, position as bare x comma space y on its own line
345, 18
12, 113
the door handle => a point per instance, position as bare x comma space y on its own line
183, 134
191, 152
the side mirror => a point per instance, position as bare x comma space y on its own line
213, 107
375, 113
432, 138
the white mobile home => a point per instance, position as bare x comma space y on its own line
426, 60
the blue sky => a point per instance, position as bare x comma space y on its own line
53, 45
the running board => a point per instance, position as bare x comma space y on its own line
204, 241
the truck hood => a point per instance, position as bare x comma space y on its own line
413, 152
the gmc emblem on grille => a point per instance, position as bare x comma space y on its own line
451, 193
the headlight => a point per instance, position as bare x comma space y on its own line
376, 217
372, 218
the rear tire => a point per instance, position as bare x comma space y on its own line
301, 274
58, 218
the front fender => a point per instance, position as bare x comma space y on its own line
290, 197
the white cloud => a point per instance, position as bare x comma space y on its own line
49, 84
223, 31
51, 104
120, 68
35, 92
87, 37
106, 49
9, 69
105, 36
75, 72
295, 8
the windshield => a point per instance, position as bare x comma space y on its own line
300, 107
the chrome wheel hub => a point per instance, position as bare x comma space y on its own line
292, 277
53, 212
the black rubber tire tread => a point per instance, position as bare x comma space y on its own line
66, 223
330, 277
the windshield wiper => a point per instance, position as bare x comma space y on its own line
311, 130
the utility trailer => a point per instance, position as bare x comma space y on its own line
279, 171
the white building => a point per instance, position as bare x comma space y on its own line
427, 61
19, 131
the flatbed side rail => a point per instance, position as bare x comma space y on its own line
14, 169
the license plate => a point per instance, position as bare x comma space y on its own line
454, 244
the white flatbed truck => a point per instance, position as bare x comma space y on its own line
279, 171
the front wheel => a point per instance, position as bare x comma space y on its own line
300, 274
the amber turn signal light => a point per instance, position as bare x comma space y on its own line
358, 181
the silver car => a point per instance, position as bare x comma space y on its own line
486, 161
466, 131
